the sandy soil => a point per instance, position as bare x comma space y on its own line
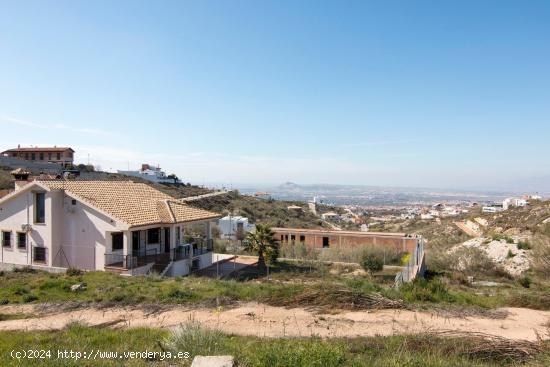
255, 319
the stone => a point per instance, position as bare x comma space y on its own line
213, 361
78, 287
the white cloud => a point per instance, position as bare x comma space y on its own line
84, 130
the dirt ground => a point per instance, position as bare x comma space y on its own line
255, 319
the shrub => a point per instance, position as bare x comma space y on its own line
4, 301
27, 298
372, 262
195, 340
510, 254
525, 281
421, 290
523, 245
74, 271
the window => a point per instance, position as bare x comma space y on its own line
326, 242
21, 240
41, 156
33, 156
118, 241
40, 207
58, 156
153, 235
39, 254
27, 156
302, 238
6, 239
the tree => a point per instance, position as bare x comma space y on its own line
372, 262
263, 242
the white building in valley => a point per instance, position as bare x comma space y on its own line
119, 226
231, 225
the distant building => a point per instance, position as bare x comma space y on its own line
330, 216
494, 208
231, 225
295, 208
151, 173
510, 202
59, 155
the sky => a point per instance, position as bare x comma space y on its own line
450, 94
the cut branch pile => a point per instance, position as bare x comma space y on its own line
341, 299
481, 346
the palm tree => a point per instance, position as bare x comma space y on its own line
262, 240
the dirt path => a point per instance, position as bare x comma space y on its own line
260, 320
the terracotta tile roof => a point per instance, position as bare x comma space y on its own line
136, 204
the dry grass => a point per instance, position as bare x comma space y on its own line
342, 299
484, 347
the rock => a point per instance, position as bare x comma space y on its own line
78, 287
213, 361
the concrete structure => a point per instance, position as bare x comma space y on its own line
323, 238
231, 225
102, 225
494, 208
398, 242
63, 156
150, 173
330, 216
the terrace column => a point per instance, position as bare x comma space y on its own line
208, 230
126, 249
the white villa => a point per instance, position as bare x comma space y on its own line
121, 226
231, 225
151, 173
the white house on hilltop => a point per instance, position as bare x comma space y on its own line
150, 173
120, 226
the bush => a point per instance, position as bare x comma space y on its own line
421, 290
525, 281
195, 340
541, 248
372, 262
27, 298
4, 302
74, 272
510, 254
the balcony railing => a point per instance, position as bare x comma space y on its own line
195, 247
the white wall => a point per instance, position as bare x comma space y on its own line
78, 230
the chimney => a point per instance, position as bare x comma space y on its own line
21, 177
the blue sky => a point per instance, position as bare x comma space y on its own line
403, 93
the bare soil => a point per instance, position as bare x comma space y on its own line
253, 319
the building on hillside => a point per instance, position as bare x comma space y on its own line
151, 173
493, 208
295, 208
510, 202
331, 216
234, 226
59, 155
120, 226
323, 239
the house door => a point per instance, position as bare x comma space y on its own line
166, 239
135, 243
326, 242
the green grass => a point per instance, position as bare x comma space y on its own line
406, 350
288, 281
